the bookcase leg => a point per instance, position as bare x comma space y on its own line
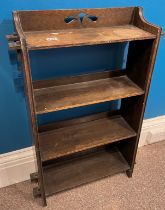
25, 60
34, 177
44, 203
36, 192
129, 173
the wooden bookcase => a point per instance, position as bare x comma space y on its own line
80, 150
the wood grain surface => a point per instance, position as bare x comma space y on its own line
83, 169
84, 36
75, 138
85, 93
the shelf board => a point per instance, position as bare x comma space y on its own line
84, 36
85, 93
79, 137
83, 169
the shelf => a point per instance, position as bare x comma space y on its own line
84, 93
83, 169
84, 36
79, 137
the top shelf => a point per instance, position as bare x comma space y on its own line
86, 36
64, 28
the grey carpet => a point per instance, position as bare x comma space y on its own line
146, 190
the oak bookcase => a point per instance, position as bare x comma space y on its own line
80, 150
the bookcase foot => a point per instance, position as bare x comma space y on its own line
34, 177
129, 173
36, 192
44, 203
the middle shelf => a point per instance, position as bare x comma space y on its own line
69, 137
79, 91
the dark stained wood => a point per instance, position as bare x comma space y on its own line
75, 121
32, 116
75, 138
140, 22
12, 37
127, 148
84, 93
23, 57
14, 45
34, 177
83, 170
145, 61
137, 60
48, 29
87, 36
54, 19
37, 84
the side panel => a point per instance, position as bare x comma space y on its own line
140, 64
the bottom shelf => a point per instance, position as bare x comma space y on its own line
83, 169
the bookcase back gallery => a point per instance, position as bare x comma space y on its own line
80, 150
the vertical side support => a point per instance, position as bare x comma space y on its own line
30, 97
140, 64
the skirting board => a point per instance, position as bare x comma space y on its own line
16, 166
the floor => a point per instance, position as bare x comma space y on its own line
145, 190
